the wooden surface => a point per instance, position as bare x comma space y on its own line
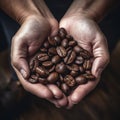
103, 103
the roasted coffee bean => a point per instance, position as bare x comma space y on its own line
44, 50
51, 69
34, 77
61, 51
53, 77
33, 65
81, 79
69, 37
74, 73
42, 80
42, 71
89, 77
73, 67
62, 33
43, 57
46, 44
51, 41
82, 70
64, 43
52, 51
56, 59
69, 80
78, 49
65, 88
57, 40
85, 54
32, 80
61, 68
72, 43
79, 60
88, 72
87, 65
47, 64
71, 55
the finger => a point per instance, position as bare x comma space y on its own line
101, 56
36, 89
61, 100
80, 92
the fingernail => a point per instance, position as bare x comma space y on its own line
23, 72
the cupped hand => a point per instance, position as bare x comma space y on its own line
90, 37
25, 43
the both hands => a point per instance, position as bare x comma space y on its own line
29, 38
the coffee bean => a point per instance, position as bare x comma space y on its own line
69, 80
74, 73
72, 43
79, 60
81, 79
52, 51
62, 33
46, 44
42, 71
69, 37
78, 49
51, 41
43, 57
71, 55
42, 80
61, 51
65, 88
64, 43
82, 70
33, 79
44, 50
56, 59
61, 68
53, 77
89, 77
85, 54
51, 69
61, 78
57, 40
47, 64
73, 67
87, 65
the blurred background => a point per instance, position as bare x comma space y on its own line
102, 103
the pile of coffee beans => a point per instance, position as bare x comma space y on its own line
61, 61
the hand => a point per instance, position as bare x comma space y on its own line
25, 43
90, 37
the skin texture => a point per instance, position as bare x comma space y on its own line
37, 23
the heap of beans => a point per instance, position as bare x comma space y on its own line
61, 61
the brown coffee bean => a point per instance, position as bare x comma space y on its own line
61, 68
69, 37
56, 59
61, 51
42, 71
46, 44
89, 77
51, 41
78, 49
72, 43
88, 72
43, 50
62, 33
81, 80
74, 73
47, 64
82, 70
70, 57
42, 80
51, 69
42, 57
79, 60
57, 40
65, 88
52, 51
69, 80
85, 54
87, 65
64, 43
73, 67
53, 77
33, 79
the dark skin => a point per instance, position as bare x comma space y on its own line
37, 22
